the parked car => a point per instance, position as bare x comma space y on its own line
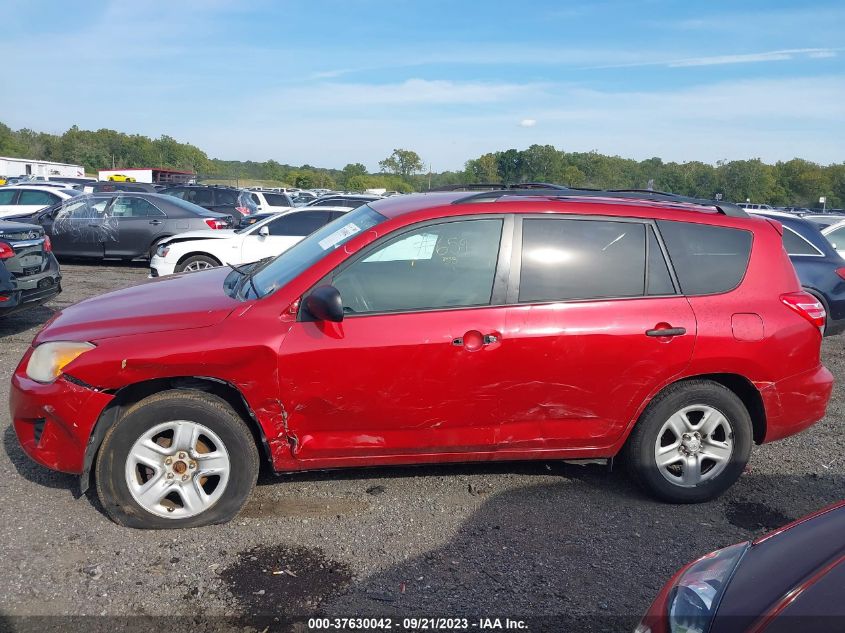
303, 197
820, 267
835, 234
755, 207
343, 200
25, 199
824, 220
437, 328
271, 201
229, 200
29, 273
121, 178
789, 580
121, 225
198, 250
106, 186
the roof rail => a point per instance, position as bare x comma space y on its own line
556, 191
491, 186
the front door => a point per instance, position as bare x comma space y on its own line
413, 368
78, 228
596, 328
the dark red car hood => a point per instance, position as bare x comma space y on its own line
178, 302
794, 570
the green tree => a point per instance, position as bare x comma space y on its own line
402, 162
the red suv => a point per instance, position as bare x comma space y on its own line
501, 325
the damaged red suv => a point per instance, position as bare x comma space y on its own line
444, 327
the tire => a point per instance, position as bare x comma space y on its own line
702, 467
204, 485
197, 262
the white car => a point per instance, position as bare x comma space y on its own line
835, 234
197, 250
26, 199
271, 201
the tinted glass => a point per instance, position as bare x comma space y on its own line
837, 238
795, 244
7, 196
438, 266
707, 259
176, 193
299, 224
277, 200
581, 259
226, 197
43, 198
198, 196
125, 207
658, 280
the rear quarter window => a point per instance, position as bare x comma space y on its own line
795, 244
707, 259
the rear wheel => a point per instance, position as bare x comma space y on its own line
196, 262
176, 459
691, 443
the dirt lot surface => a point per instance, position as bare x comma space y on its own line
572, 547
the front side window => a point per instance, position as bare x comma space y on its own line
581, 259
446, 265
128, 207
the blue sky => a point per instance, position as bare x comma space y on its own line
327, 82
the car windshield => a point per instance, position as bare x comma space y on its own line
279, 271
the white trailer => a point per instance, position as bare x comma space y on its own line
29, 167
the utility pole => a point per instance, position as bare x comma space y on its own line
429, 176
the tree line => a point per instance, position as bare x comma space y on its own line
796, 182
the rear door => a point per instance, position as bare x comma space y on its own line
8, 195
584, 340
32, 200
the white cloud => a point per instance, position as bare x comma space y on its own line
528, 123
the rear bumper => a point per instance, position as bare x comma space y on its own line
54, 421
795, 403
30, 291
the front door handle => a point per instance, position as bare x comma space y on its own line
474, 340
666, 331
155, 222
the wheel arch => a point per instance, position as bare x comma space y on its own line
127, 396
739, 385
190, 254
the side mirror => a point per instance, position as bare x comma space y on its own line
325, 304
264, 231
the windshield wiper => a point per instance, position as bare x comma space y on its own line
248, 277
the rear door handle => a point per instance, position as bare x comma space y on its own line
669, 331
155, 222
474, 340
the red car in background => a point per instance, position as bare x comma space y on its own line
445, 327
792, 579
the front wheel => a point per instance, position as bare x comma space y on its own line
176, 459
195, 263
691, 444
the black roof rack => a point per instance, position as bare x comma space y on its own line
557, 191
493, 186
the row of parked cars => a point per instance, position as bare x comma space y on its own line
128, 220
669, 332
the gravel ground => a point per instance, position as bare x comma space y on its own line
574, 547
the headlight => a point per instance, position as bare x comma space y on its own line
689, 602
48, 359
162, 250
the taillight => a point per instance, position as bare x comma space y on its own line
6, 251
243, 210
807, 306
841, 272
48, 245
215, 224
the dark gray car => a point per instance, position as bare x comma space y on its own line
120, 225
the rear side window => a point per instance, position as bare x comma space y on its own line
277, 199
581, 259
37, 197
707, 259
794, 244
299, 224
226, 197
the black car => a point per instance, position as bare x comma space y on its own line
229, 200
820, 268
29, 273
789, 580
120, 225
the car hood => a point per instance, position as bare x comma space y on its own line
784, 569
176, 302
206, 234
